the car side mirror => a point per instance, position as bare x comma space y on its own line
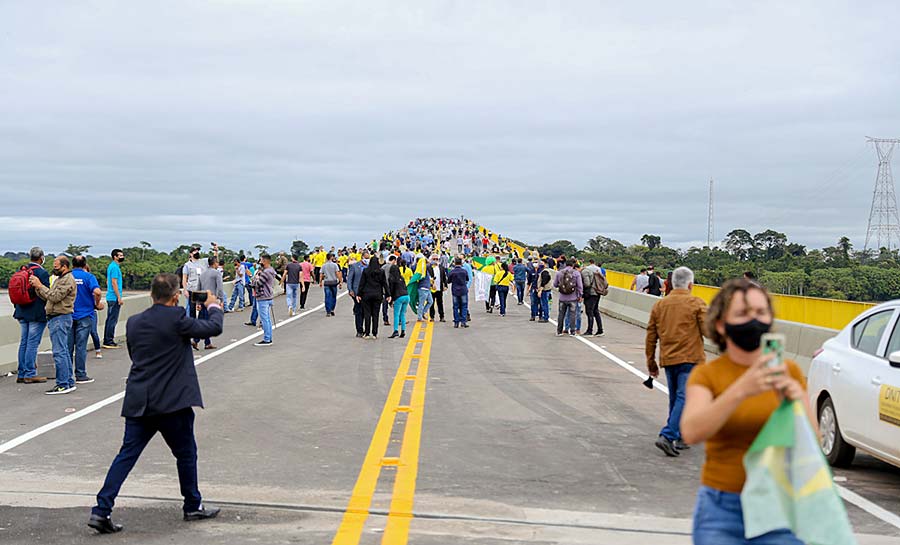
894, 358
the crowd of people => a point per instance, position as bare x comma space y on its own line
723, 403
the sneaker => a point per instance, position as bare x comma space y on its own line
99, 356
599, 334
532, 319
394, 335
402, 334
84, 380
443, 320
60, 390
559, 333
374, 337
263, 343
290, 312
210, 347
465, 324
681, 445
366, 337
112, 346
667, 447
251, 324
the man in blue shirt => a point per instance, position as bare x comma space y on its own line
87, 299
520, 276
113, 298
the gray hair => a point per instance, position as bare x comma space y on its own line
36, 253
682, 278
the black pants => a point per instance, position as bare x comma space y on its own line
304, 294
384, 310
492, 298
591, 304
358, 316
316, 271
370, 315
192, 309
177, 430
439, 303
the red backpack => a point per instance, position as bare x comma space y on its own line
20, 290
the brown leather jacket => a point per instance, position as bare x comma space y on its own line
677, 323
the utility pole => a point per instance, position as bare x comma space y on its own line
884, 223
710, 231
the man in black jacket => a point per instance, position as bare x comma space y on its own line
161, 392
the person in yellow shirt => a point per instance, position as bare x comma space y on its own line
319, 260
502, 280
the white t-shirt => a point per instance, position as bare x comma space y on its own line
193, 269
641, 282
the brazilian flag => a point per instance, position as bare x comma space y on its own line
789, 484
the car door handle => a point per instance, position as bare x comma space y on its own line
836, 367
876, 381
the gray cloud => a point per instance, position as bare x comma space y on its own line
243, 122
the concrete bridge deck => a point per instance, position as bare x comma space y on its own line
525, 438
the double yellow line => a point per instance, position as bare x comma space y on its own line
396, 531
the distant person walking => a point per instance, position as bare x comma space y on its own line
292, 286
88, 298
459, 280
354, 277
237, 292
331, 280
676, 324
372, 290
32, 317
306, 277
571, 290
520, 277
400, 297
113, 297
60, 298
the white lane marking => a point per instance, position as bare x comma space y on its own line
24, 438
851, 497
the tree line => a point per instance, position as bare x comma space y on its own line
834, 272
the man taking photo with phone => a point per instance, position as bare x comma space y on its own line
160, 394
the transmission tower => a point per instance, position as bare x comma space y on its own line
884, 223
710, 231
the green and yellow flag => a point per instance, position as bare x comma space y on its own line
789, 484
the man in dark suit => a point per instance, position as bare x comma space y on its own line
161, 392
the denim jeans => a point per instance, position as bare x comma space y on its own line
290, 293
566, 316
460, 308
112, 318
676, 380
177, 430
237, 296
719, 520
535, 304
78, 338
254, 314
384, 310
425, 302
520, 292
502, 293
28, 347
265, 316
400, 306
568, 325
94, 336
60, 327
545, 305
330, 298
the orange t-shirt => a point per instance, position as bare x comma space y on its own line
724, 465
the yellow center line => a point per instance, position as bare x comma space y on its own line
351, 528
396, 532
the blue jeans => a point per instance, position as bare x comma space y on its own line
254, 314
60, 327
265, 316
112, 318
566, 316
28, 347
719, 520
502, 293
520, 292
676, 379
545, 305
425, 302
290, 293
400, 306
78, 338
577, 318
177, 430
237, 295
460, 308
330, 298
535, 304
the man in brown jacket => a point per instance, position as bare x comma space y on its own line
60, 298
677, 323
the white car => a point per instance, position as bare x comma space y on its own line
854, 385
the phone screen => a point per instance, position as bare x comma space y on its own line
773, 343
199, 296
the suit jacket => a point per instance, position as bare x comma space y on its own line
162, 377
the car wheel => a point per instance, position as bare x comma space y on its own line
838, 452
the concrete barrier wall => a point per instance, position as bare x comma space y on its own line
801, 340
10, 331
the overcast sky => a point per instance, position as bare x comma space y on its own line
250, 122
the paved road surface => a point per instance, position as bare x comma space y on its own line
526, 438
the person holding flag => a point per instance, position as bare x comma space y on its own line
729, 401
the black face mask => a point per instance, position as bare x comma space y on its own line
196, 255
122, 259
748, 336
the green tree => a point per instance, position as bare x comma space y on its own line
558, 248
651, 241
299, 248
144, 246
740, 244
771, 243
76, 249
604, 246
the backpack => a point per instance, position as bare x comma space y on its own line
20, 290
600, 284
545, 277
567, 284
